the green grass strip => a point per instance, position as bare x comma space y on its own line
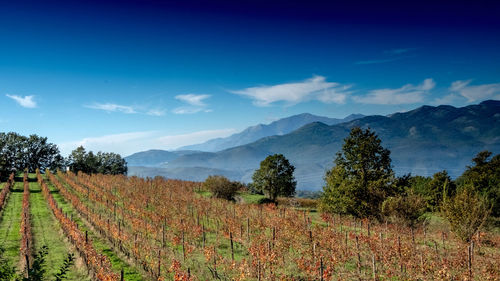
47, 231
130, 273
10, 224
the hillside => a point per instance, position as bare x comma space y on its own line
155, 157
279, 127
422, 142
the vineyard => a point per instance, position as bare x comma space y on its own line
129, 228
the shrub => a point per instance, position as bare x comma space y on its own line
466, 212
405, 209
222, 187
298, 202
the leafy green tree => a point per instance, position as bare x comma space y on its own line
102, 162
484, 177
466, 212
222, 187
275, 177
362, 177
18, 152
440, 185
111, 163
39, 153
77, 160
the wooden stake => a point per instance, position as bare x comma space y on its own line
321, 269
374, 268
232, 248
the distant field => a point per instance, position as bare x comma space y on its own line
155, 229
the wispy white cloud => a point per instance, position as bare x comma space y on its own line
127, 109
112, 107
195, 104
475, 92
26, 101
156, 112
451, 99
315, 88
175, 141
399, 51
407, 94
192, 99
128, 143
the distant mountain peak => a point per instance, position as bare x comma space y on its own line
279, 127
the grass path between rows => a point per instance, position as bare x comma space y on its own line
130, 273
47, 231
10, 224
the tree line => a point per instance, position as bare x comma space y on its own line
18, 152
362, 184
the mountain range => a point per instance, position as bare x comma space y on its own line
422, 141
279, 127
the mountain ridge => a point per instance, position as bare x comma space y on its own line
278, 127
422, 141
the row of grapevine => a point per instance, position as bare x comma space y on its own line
99, 264
5, 191
26, 235
175, 233
117, 233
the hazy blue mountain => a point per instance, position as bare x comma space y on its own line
154, 157
422, 142
279, 127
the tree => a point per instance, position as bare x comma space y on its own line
18, 152
361, 178
484, 178
275, 177
466, 212
111, 163
222, 187
441, 184
38, 153
102, 162
77, 160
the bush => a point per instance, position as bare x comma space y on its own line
298, 202
466, 212
222, 187
405, 209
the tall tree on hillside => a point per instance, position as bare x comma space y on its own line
77, 160
18, 152
484, 178
440, 185
103, 162
111, 163
361, 178
39, 153
275, 177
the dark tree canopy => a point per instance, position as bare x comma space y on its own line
18, 152
484, 178
361, 178
102, 162
275, 177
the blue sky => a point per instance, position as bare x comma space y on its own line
132, 75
